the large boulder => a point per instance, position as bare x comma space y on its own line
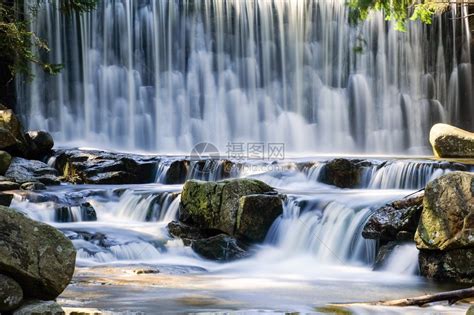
27, 171
451, 142
447, 219
11, 294
5, 199
256, 215
5, 160
12, 137
215, 205
98, 167
37, 256
395, 221
454, 265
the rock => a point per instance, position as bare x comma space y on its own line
24, 171
383, 254
39, 257
396, 220
470, 311
187, 233
215, 205
40, 308
447, 219
343, 173
43, 140
11, 294
256, 215
97, 167
220, 247
8, 185
5, 199
33, 186
66, 214
177, 172
5, 160
451, 265
146, 271
451, 142
12, 137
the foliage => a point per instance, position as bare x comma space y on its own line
398, 11
19, 47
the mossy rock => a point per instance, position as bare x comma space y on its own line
215, 205
37, 256
447, 219
5, 160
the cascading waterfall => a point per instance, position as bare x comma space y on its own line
166, 75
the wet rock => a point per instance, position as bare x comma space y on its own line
42, 140
256, 215
23, 171
470, 311
98, 167
451, 142
11, 294
66, 214
396, 220
40, 308
5, 160
37, 256
383, 254
33, 186
8, 185
12, 137
5, 199
188, 233
454, 265
343, 173
447, 219
177, 172
215, 205
220, 247
146, 271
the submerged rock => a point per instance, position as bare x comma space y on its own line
395, 221
447, 219
451, 142
37, 256
24, 171
215, 205
5, 160
11, 294
40, 308
98, 167
220, 247
455, 265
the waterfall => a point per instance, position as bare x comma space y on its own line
166, 75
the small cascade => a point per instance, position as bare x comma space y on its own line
402, 260
314, 171
148, 207
133, 251
406, 174
328, 230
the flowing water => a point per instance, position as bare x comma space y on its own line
166, 75
313, 254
